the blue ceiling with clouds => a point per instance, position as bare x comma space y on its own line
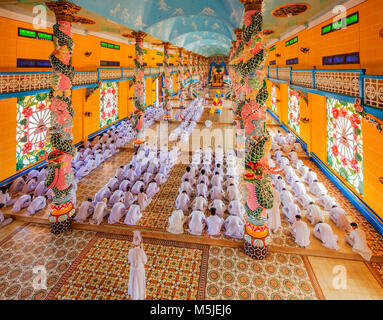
202, 26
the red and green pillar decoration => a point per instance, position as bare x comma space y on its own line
139, 88
59, 161
181, 77
247, 63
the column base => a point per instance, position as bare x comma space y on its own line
60, 227
256, 253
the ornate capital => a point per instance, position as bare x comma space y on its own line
252, 5
66, 11
138, 36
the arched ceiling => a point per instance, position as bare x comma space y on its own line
202, 26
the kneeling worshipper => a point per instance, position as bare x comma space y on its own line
297, 164
304, 200
291, 210
40, 190
286, 197
292, 178
216, 180
203, 177
300, 232
303, 170
152, 189
133, 215
217, 193
202, 190
100, 211
197, 222
103, 193
117, 196
236, 208
357, 240
143, 200
273, 214
22, 202
117, 212
298, 188
214, 223
200, 204
323, 232
113, 184
293, 156
186, 186
234, 227
120, 174
3, 221
5, 198
160, 178
317, 188
310, 177
85, 210
17, 185
176, 222
37, 204
314, 214
232, 193
290, 138
129, 198
137, 259
183, 201
280, 184
124, 185
147, 177
326, 202
137, 186
30, 186
131, 174
219, 207
339, 217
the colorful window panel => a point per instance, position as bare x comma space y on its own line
108, 103
273, 98
294, 111
345, 142
33, 121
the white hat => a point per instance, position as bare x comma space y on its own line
137, 238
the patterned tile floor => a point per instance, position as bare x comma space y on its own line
31, 246
174, 271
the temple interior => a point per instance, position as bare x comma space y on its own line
228, 149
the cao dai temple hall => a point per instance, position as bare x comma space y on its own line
191, 150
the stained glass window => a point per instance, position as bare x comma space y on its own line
108, 103
345, 142
273, 98
294, 111
33, 121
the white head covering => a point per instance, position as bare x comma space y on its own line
137, 238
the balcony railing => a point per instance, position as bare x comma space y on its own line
351, 83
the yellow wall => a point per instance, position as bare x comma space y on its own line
362, 37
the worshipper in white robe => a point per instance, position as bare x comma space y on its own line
17, 185
339, 217
310, 177
22, 202
326, 202
5, 198
160, 178
147, 177
203, 177
217, 193
288, 171
37, 204
357, 240
113, 184
304, 200
183, 201
100, 211
298, 147
42, 175
234, 227
99, 158
317, 188
291, 210
104, 192
216, 180
300, 232
117, 196
107, 154
129, 199
131, 174
314, 214
323, 232
303, 170
117, 212
280, 184
137, 186
286, 197
219, 206
292, 178
143, 200
290, 138
298, 188
32, 174
3, 221
82, 172
176, 222
124, 185
273, 214
232, 193
40, 189
297, 164
137, 259
284, 162
85, 210
278, 155
236, 208
197, 222
133, 215
218, 168
165, 168
214, 223
199, 204
201, 190
30, 186
286, 147
186, 186
152, 189
153, 166
120, 173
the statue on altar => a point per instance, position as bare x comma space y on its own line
217, 103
